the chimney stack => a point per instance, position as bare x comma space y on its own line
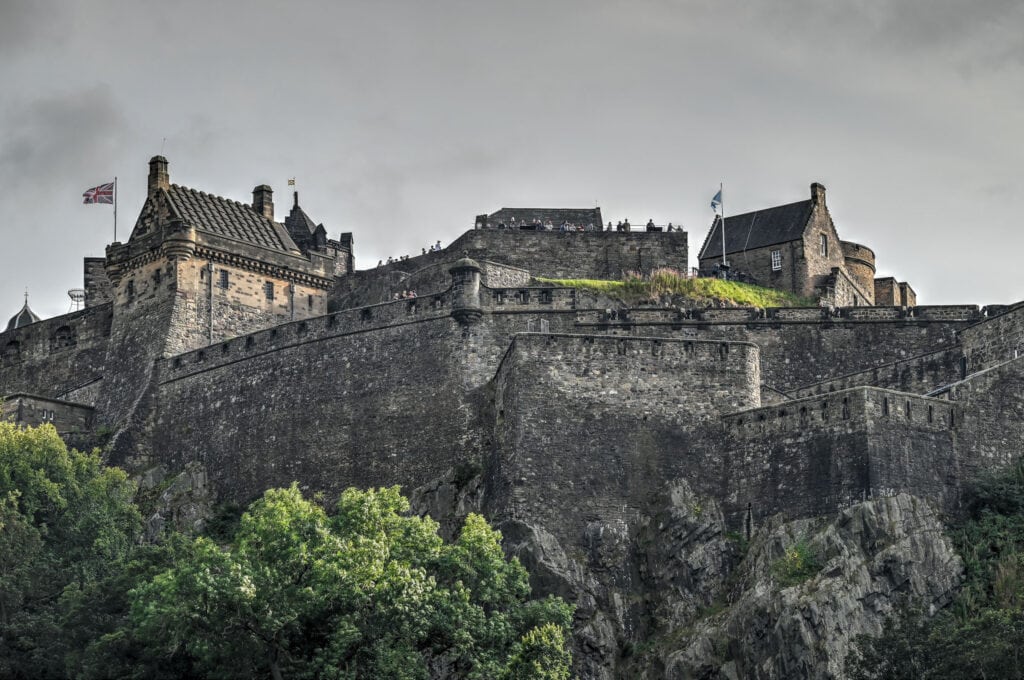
263, 201
818, 194
158, 176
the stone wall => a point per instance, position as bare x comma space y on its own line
97, 286
991, 409
994, 340
842, 290
239, 307
800, 346
553, 254
811, 456
918, 375
32, 411
757, 264
377, 405
860, 265
56, 355
586, 427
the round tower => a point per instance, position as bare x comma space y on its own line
860, 265
466, 290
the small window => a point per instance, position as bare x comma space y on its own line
224, 280
268, 290
824, 245
156, 276
131, 289
309, 301
776, 260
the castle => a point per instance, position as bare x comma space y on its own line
217, 337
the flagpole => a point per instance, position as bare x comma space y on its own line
115, 208
722, 204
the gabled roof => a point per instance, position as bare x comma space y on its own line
580, 216
24, 317
228, 219
757, 229
299, 222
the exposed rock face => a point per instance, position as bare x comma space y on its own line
674, 595
873, 557
183, 501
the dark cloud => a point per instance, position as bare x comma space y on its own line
62, 136
402, 120
32, 24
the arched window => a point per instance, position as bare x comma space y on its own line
63, 338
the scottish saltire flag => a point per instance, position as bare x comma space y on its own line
104, 193
716, 202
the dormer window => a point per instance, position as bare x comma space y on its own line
824, 245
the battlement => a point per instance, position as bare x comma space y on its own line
351, 321
855, 407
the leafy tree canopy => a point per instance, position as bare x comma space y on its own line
365, 592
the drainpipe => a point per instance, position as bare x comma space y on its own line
209, 276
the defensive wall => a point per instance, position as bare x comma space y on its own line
54, 356
998, 338
918, 375
586, 427
992, 422
809, 456
800, 346
553, 254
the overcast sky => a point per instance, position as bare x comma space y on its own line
401, 120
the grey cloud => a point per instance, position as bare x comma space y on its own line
64, 136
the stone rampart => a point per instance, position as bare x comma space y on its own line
801, 349
918, 375
810, 456
53, 356
994, 340
587, 426
339, 408
570, 255
992, 427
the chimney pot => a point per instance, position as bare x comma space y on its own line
158, 175
263, 201
818, 194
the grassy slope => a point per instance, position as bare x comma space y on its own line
666, 283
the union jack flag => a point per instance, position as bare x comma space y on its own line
104, 193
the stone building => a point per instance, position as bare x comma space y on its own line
796, 247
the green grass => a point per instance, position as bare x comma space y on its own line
669, 282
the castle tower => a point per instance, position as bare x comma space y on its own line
860, 265
466, 306
196, 270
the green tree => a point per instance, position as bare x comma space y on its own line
66, 523
366, 592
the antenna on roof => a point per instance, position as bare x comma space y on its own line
77, 296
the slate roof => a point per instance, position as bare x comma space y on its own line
24, 317
580, 216
757, 229
299, 221
228, 219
